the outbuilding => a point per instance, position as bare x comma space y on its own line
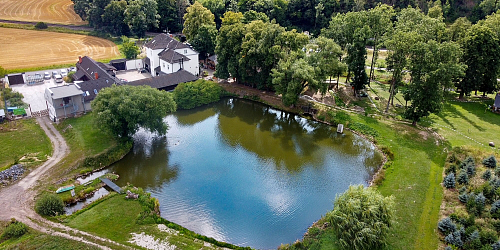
64, 101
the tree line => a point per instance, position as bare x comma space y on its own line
125, 17
438, 58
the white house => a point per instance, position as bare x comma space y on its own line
64, 101
165, 55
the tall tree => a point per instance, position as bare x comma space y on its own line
81, 8
168, 16
357, 58
324, 56
217, 7
129, 49
124, 109
141, 15
432, 66
228, 46
205, 40
458, 30
482, 57
411, 19
292, 75
113, 18
379, 20
196, 16
95, 11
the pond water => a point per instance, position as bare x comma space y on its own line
245, 173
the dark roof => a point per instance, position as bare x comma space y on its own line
15, 78
171, 56
164, 41
88, 87
117, 61
163, 81
78, 75
89, 67
158, 69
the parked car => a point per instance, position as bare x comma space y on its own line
58, 78
46, 76
64, 72
54, 73
72, 69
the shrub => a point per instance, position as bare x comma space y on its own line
467, 161
49, 205
193, 94
473, 241
463, 178
16, 229
490, 162
471, 169
488, 236
463, 197
69, 77
451, 169
41, 25
354, 226
446, 226
455, 238
364, 129
462, 189
480, 203
449, 181
495, 209
387, 151
487, 175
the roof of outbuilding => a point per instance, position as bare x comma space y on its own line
65, 91
89, 86
163, 81
164, 41
171, 56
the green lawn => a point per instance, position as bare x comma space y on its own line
468, 123
23, 138
39, 241
116, 218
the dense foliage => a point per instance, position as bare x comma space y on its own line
361, 218
193, 94
475, 222
129, 49
123, 109
15, 229
49, 205
41, 26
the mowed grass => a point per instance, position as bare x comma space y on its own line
23, 138
51, 11
31, 48
468, 123
115, 218
39, 241
84, 139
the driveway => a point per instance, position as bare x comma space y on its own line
34, 94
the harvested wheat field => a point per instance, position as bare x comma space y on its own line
30, 48
51, 11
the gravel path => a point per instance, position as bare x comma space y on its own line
16, 201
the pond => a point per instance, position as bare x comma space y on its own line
245, 173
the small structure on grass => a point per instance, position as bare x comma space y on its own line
496, 104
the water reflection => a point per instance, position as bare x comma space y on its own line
245, 173
150, 166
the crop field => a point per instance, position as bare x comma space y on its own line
30, 48
51, 11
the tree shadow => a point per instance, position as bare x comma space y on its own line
451, 111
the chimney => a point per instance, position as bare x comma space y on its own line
171, 35
79, 59
96, 76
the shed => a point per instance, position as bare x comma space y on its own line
119, 64
15, 79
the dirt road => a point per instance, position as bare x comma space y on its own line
17, 200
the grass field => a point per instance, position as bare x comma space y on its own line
29, 48
23, 138
51, 11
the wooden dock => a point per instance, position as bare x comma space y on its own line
111, 184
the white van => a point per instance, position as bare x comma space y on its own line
58, 78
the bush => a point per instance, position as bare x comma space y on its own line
463, 197
467, 161
194, 94
364, 129
49, 205
16, 229
446, 226
354, 226
41, 26
487, 175
495, 209
471, 169
463, 178
488, 236
451, 169
455, 238
449, 181
69, 77
490, 162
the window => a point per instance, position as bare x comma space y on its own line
66, 100
185, 51
87, 93
95, 91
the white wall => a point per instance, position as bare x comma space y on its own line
191, 66
134, 64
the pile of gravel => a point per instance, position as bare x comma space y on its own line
12, 173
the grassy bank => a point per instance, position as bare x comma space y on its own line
23, 141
